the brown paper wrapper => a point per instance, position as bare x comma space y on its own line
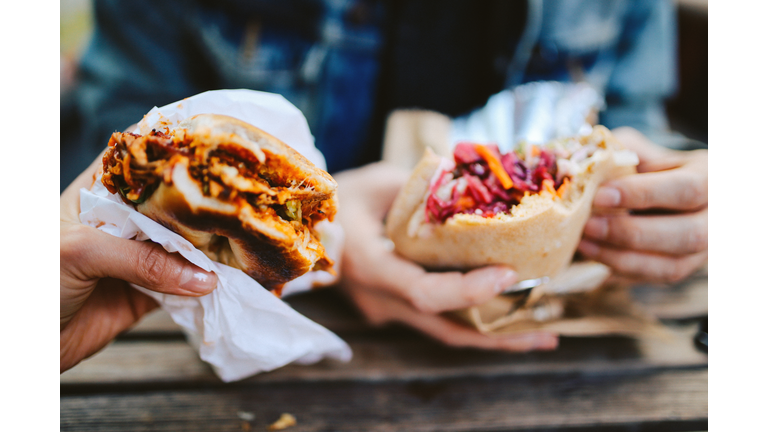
577, 302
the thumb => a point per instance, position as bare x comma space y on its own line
148, 265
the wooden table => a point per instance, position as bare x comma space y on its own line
150, 379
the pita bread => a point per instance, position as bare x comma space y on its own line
537, 237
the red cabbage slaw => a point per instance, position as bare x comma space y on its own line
475, 184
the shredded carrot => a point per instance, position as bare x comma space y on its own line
535, 151
527, 193
549, 186
495, 165
465, 202
563, 187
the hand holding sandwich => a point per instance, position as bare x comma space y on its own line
96, 302
389, 288
236, 193
664, 236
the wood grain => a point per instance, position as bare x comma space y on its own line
680, 302
511, 403
397, 354
151, 379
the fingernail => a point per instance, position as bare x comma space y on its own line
597, 228
588, 248
607, 196
505, 281
196, 280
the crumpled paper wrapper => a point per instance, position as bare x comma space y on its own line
240, 328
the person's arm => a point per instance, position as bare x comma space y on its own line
96, 302
389, 288
644, 71
139, 56
664, 236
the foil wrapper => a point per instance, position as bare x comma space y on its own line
533, 113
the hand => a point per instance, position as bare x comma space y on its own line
664, 237
389, 288
96, 301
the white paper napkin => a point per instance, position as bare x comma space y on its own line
240, 328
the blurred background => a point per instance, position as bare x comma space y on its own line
76, 27
686, 109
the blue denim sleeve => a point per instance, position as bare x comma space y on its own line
150, 53
135, 61
645, 68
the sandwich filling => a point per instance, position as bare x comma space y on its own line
135, 166
482, 181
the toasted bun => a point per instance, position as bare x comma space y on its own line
234, 232
538, 237
292, 169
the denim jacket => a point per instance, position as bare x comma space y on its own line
347, 63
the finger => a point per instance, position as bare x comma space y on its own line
100, 255
677, 189
380, 308
657, 268
653, 157
456, 335
645, 149
432, 292
372, 188
680, 234
70, 201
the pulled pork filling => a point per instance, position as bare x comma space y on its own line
135, 165
485, 182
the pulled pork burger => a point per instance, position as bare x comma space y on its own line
525, 209
237, 193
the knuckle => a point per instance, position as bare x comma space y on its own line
420, 302
635, 238
694, 193
625, 232
642, 195
152, 265
623, 262
675, 272
471, 296
73, 241
373, 316
370, 309
698, 239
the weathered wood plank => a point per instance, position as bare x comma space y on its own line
552, 402
687, 300
395, 355
155, 322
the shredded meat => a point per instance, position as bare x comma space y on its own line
135, 165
